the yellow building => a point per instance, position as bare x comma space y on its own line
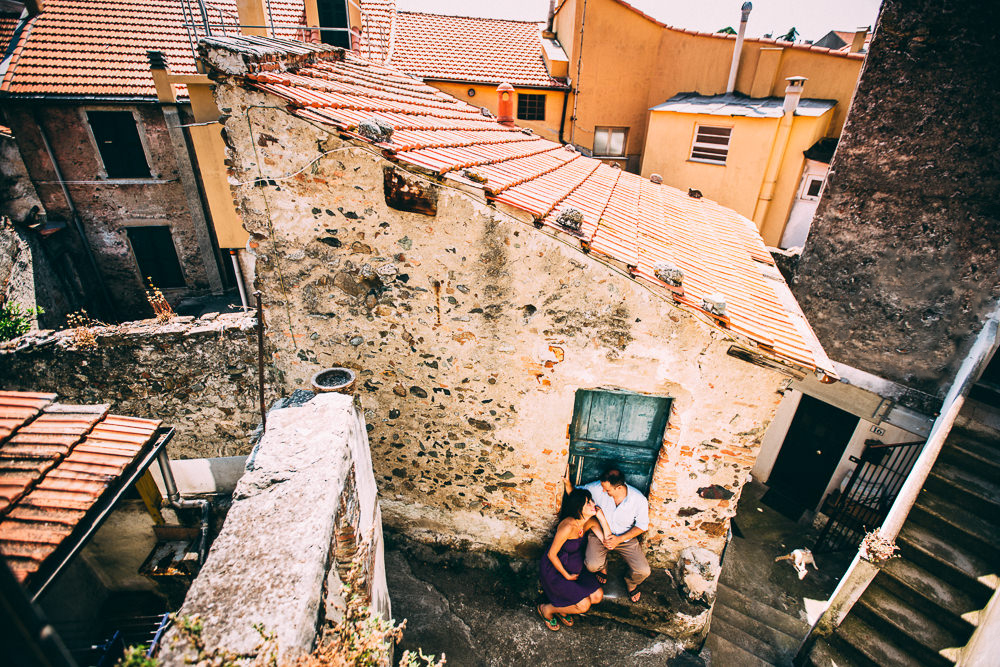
745, 153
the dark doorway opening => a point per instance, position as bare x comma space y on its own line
156, 256
987, 388
617, 429
813, 447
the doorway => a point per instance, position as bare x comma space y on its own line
813, 447
617, 429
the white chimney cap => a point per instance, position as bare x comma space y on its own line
797, 80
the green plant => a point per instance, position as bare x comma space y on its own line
15, 319
135, 656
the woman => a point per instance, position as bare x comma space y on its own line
570, 587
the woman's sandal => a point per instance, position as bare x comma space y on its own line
550, 623
565, 620
602, 577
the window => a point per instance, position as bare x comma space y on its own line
156, 256
610, 141
333, 14
711, 144
812, 188
118, 142
530, 106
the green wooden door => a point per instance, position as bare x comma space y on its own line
616, 429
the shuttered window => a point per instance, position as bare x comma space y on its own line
711, 144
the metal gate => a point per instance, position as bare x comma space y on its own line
865, 500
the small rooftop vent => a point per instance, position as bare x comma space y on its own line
571, 219
669, 273
715, 304
376, 129
656, 178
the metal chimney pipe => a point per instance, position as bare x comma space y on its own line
738, 48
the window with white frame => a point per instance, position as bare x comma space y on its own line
711, 144
610, 141
812, 188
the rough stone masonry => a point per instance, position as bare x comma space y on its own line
471, 332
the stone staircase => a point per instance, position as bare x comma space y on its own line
749, 633
922, 607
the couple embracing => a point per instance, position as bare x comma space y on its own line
605, 515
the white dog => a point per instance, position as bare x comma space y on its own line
800, 558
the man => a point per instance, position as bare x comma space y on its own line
627, 514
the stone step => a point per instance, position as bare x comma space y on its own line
748, 642
931, 594
868, 647
784, 646
966, 486
971, 529
920, 635
823, 654
972, 449
775, 618
725, 653
980, 418
940, 556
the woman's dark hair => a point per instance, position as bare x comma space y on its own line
572, 507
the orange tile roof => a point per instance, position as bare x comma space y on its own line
56, 462
8, 25
627, 220
98, 47
377, 18
460, 48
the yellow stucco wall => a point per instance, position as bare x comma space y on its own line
738, 183
486, 96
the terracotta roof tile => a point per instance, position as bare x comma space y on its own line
627, 219
460, 48
54, 468
98, 47
377, 18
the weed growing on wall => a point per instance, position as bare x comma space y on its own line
15, 319
158, 302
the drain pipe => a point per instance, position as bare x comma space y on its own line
239, 278
738, 48
174, 500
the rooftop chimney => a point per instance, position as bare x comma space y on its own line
35, 7
738, 48
858, 43
793, 93
505, 107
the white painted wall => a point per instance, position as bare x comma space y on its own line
803, 207
774, 437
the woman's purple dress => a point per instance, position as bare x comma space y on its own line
561, 591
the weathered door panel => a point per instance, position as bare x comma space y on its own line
617, 429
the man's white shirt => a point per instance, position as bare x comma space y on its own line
633, 511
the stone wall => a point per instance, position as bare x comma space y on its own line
106, 207
472, 332
199, 376
17, 194
902, 264
305, 523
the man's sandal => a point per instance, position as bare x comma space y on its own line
634, 595
565, 620
550, 623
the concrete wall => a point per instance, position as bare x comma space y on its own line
903, 263
198, 376
305, 522
471, 333
738, 183
108, 206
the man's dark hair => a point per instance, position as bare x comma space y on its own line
614, 477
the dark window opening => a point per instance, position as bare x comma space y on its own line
333, 14
815, 186
530, 106
617, 429
156, 256
118, 142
